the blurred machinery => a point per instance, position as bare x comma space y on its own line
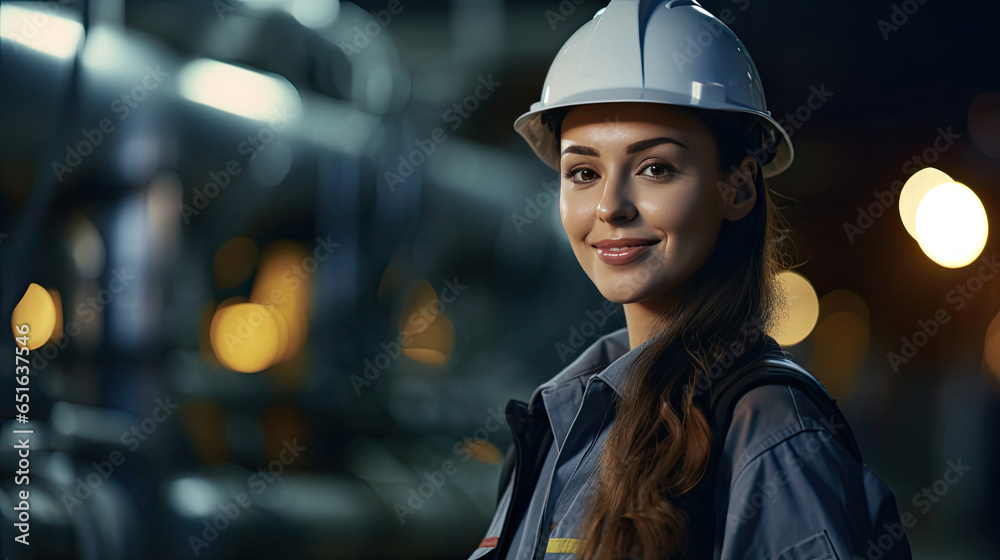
172, 173
132, 154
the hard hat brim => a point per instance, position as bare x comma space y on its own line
543, 141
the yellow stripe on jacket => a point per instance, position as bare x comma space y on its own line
564, 545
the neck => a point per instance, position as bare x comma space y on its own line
639, 319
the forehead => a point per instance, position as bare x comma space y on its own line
609, 120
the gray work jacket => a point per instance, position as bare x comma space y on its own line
784, 486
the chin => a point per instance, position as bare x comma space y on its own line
619, 293
616, 297
632, 288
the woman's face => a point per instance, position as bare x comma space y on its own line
642, 199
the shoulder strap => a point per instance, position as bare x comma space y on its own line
778, 371
767, 369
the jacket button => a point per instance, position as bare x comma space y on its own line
552, 526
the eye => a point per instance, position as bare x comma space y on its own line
659, 170
581, 175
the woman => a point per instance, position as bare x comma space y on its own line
663, 151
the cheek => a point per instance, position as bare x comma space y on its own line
676, 211
664, 215
573, 212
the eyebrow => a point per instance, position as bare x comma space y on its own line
640, 146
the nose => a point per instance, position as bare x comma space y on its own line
616, 203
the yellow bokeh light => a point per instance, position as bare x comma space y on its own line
37, 310
284, 281
991, 348
204, 338
803, 309
231, 301
282, 327
57, 329
483, 451
434, 344
420, 310
918, 185
840, 347
952, 227
298, 328
844, 300
245, 337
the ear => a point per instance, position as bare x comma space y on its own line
742, 197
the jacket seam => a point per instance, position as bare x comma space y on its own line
757, 455
595, 369
795, 403
777, 436
575, 376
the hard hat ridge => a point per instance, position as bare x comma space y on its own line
648, 51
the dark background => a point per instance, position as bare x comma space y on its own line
369, 441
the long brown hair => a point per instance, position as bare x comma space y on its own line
659, 444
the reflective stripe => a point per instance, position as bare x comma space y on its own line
564, 545
489, 543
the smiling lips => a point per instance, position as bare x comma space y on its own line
623, 250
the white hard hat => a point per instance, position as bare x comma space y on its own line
671, 52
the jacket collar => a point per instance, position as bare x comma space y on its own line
609, 356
